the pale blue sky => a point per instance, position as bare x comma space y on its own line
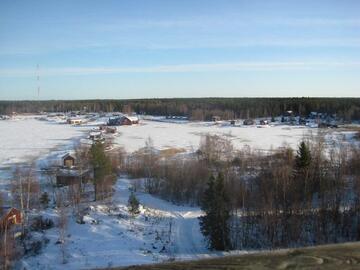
188, 48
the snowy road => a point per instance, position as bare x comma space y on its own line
188, 241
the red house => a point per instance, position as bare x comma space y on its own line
12, 217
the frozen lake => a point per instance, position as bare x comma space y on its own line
188, 135
26, 138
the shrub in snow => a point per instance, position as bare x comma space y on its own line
39, 224
33, 245
95, 222
133, 204
80, 219
44, 199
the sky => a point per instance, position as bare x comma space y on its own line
116, 49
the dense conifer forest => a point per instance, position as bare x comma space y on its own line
197, 108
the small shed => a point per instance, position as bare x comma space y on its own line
74, 121
68, 160
248, 122
232, 122
215, 118
264, 122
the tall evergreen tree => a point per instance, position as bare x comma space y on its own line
303, 157
304, 187
215, 223
221, 232
101, 164
208, 206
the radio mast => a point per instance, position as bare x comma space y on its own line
38, 80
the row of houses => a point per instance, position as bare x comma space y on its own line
4, 117
175, 117
314, 119
113, 120
246, 122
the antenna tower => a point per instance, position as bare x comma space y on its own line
38, 80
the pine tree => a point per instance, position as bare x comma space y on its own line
133, 204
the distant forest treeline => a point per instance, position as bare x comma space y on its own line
197, 108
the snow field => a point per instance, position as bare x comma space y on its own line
112, 237
188, 135
26, 138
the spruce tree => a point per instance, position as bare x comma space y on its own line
208, 206
101, 164
133, 204
303, 157
304, 188
221, 239
214, 224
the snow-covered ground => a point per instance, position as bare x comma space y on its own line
111, 237
163, 231
25, 138
187, 135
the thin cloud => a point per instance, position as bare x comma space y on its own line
198, 43
233, 21
188, 68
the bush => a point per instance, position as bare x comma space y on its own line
44, 199
33, 246
39, 224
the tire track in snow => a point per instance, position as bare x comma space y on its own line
187, 239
